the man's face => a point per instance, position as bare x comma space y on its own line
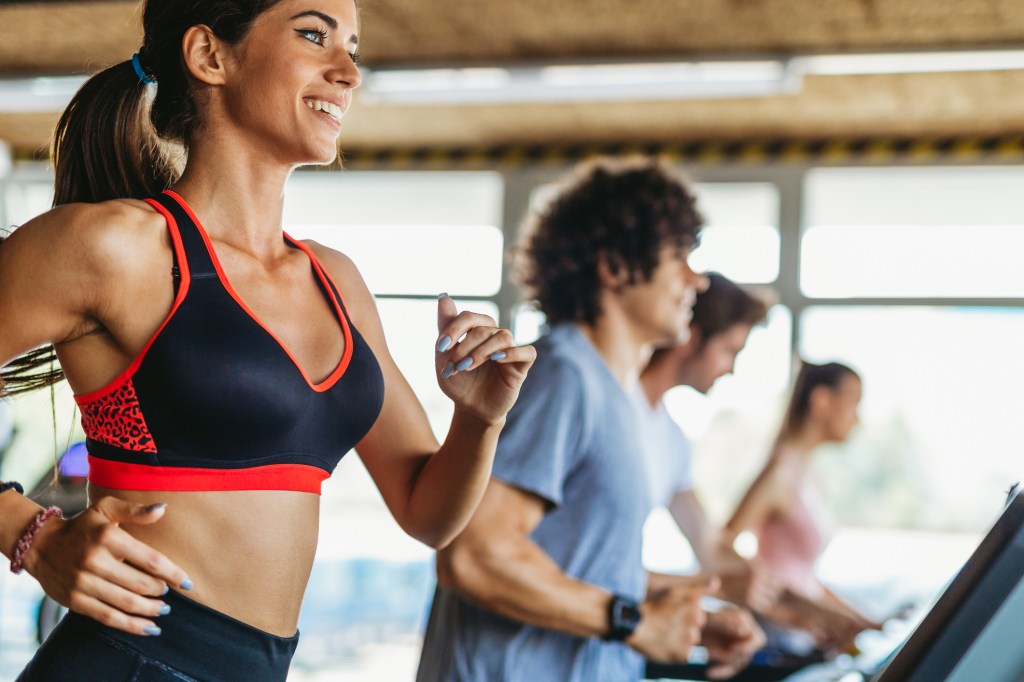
659, 310
717, 357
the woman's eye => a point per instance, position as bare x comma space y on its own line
313, 35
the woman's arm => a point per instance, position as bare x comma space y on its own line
766, 495
433, 490
58, 274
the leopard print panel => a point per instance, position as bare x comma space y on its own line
116, 419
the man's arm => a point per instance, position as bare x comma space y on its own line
689, 515
741, 581
496, 565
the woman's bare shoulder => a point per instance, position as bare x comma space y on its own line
341, 268
97, 232
95, 252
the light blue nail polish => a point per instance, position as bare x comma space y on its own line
448, 370
166, 590
186, 584
500, 355
464, 364
442, 295
152, 631
165, 609
444, 344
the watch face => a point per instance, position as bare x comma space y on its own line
625, 614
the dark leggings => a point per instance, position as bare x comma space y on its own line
197, 644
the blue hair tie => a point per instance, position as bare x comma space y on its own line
140, 72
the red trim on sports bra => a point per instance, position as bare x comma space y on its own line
182, 263
124, 476
331, 288
346, 355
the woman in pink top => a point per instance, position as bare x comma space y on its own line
785, 507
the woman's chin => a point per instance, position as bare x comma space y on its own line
323, 157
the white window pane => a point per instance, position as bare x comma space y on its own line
741, 253
415, 233
741, 235
417, 259
527, 323
913, 260
388, 198
940, 418
28, 192
954, 232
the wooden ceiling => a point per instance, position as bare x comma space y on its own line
52, 38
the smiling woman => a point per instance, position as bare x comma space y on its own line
222, 368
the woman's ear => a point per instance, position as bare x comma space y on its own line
204, 55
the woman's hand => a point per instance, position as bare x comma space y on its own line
92, 566
478, 365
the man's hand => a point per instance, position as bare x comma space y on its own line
731, 636
670, 624
750, 584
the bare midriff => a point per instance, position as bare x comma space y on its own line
248, 553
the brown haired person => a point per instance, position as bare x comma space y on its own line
784, 506
221, 367
546, 582
723, 317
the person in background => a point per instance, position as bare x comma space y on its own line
547, 580
723, 317
785, 509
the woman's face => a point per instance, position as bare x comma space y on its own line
841, 416
291, 78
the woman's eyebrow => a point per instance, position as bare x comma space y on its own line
327, 19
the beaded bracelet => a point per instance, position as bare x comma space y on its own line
25, 541
11, 485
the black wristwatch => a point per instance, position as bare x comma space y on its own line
623, 617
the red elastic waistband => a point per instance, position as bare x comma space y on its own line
123, 476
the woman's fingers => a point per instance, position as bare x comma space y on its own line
516, 354
478, 346
129, 578
96, 609
146, 559
459, 327
119, 598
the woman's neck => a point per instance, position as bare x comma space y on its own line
237, 193
803, 442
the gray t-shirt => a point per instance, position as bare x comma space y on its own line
668, 463
571, 439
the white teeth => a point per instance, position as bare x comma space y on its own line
327, 107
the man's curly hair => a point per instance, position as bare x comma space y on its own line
622, 211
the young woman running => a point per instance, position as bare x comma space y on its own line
221, 367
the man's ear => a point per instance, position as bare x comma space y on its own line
204, 55
820, 400
606, 276
696, 339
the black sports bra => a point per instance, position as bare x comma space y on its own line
214, 401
